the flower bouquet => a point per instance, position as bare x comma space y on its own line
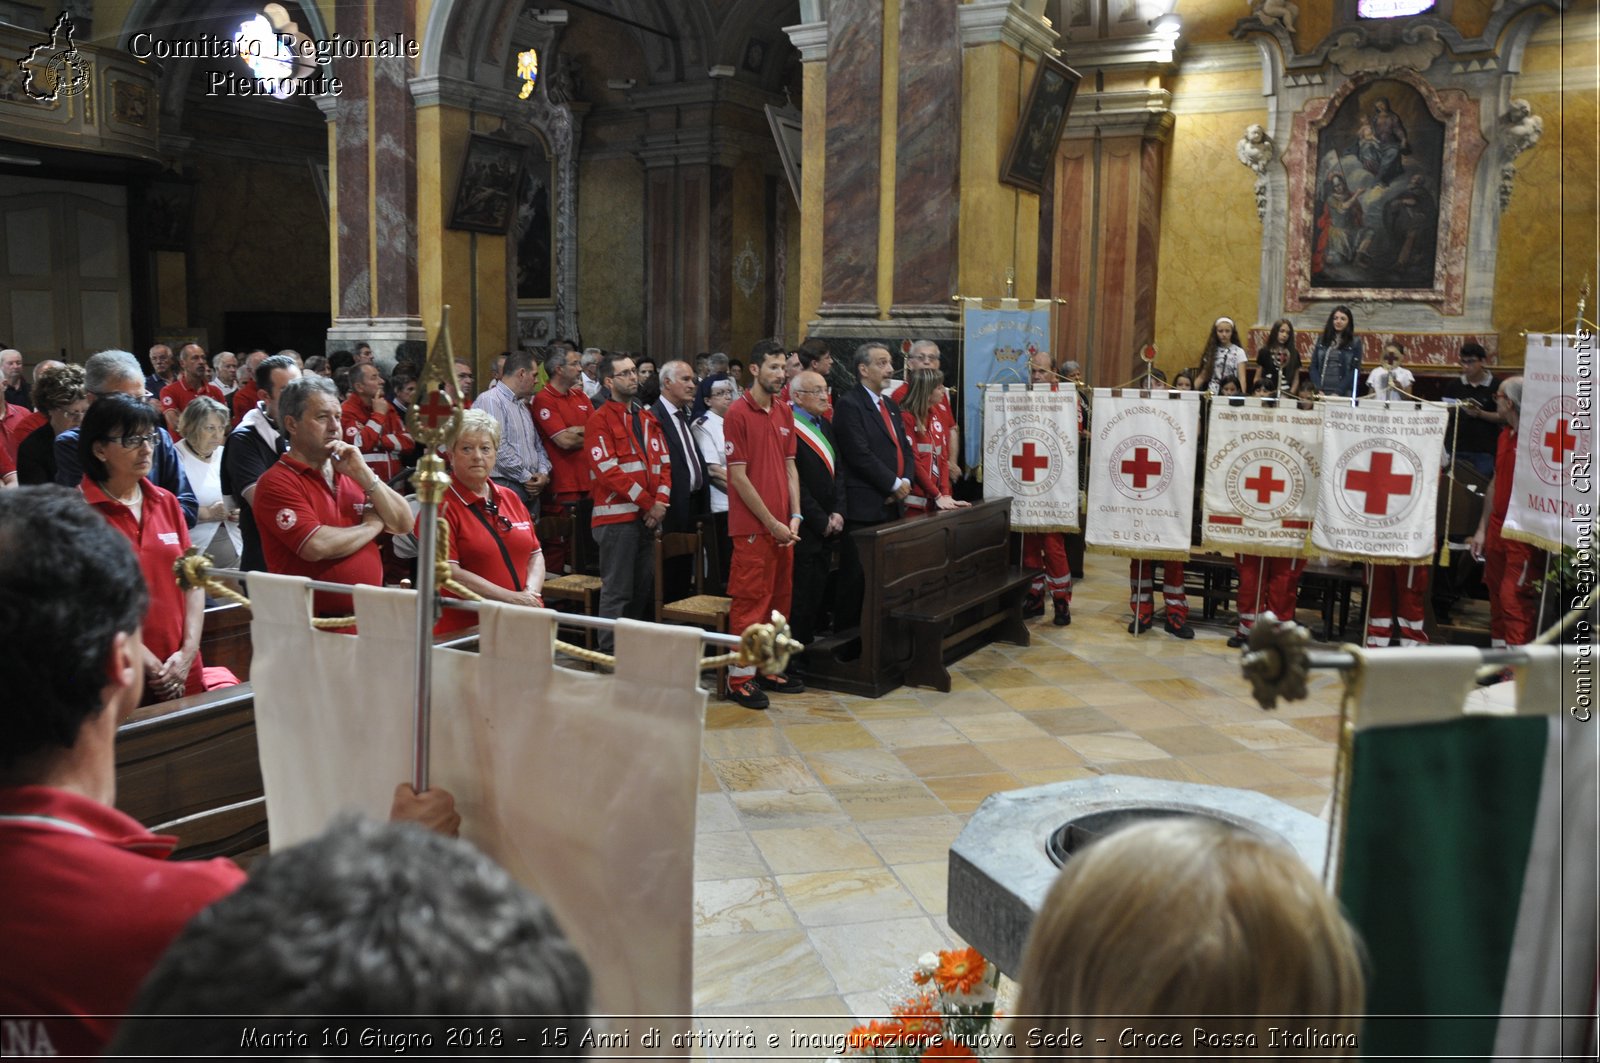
948, 1013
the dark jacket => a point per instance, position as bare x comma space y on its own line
867, 455
165, 469
1334, 369
685, 508
821, 491
245, 456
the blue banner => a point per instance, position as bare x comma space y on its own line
996, 349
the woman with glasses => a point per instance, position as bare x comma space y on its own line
116, 446
203, 426
494, 550
60, 395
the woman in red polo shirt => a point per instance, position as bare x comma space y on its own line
930, 489
116, 444
494, 550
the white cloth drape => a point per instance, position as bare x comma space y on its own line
1030, 454
1552, 497
1263, 471
581, 785
1380, 481
1141, 472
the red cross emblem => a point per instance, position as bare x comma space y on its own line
434, 412
1559, 440
1029, 463
1265, 485
1378, 482
1141, 467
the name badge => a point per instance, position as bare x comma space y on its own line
168, 538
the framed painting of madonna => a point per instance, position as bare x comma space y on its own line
1380, 193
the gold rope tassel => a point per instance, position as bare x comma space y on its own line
764, 646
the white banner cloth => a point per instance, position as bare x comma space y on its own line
1552, 496
1141, 472
1380, 481
1030, 454
1263, 468
582, 786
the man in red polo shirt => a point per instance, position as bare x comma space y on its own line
91, 901
373, 425
320, 507
244, 399
763, 517
192, 382
561, 411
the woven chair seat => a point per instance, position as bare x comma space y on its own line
709, 607
573, 584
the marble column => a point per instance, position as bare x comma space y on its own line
850, 183
927, 164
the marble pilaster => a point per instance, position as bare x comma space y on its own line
850, 184
928, 156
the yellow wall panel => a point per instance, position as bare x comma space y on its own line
611, 253
749, 234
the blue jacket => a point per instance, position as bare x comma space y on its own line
165, 470
1334, 369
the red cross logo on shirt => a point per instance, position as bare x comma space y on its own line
1559, 440
1265, 485
1029, 463
1141, 468
1378, 482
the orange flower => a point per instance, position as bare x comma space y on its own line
948, 1050
919, 1017
960, 972
875, 1035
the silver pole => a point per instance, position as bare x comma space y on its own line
427, 608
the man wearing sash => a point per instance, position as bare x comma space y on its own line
820, 500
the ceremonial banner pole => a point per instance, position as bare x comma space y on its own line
434, 423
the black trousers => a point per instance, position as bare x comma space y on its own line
811, 557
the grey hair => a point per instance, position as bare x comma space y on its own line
102, 372
195, 414
717, 363
863, 355
364, 919
1511, 388
555, 361
678, 368
479, 422
216, 359
924, 345
296, 395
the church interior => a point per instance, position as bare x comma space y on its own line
667, 177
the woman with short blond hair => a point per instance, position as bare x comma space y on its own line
203, 426
1152, 932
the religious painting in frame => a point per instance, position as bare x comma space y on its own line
1044, 116
535, 228
486, 195
1380, 194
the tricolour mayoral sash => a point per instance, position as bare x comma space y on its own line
1030, 454
812, 437
1141, 472
1380, 481
1552, 497
1262, 472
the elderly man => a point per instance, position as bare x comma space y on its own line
245, 398
878, 465
17, 392
192, 382
589, 362
225, 372
763, 519
924, 354
322, 507
1509, 567
91, 900
252, 449
561, 411
630, 478
372, 423
816, 460
690, 499
118, 373
163, 370
522, 465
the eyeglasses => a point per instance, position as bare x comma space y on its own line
132, 442
493, 506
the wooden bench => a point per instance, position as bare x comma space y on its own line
936, 588
225, 639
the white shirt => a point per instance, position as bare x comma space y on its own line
591, 387
709, 435
1386, 383
1228, 361
205, 477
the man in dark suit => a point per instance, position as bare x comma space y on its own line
877, 463
821, 499
691, 501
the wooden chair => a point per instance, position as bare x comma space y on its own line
575, 589
701, 610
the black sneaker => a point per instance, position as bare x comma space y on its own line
747, 694
1236, 640
1033, 606
780, 684
1182, 631
1139, 627
1063, 614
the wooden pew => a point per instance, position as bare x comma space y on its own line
225, 639
937, 587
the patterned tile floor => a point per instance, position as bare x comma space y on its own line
824, 822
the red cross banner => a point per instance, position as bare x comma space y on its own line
1263, 468
1030, 454
1141, 472
1380, 481
1552, 496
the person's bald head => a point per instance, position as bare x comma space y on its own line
48, 363
809, 391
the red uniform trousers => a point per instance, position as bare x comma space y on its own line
1046, 554
1394, 593
1141, 585
1509, 568
760, 580
1267, 584
555, 546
